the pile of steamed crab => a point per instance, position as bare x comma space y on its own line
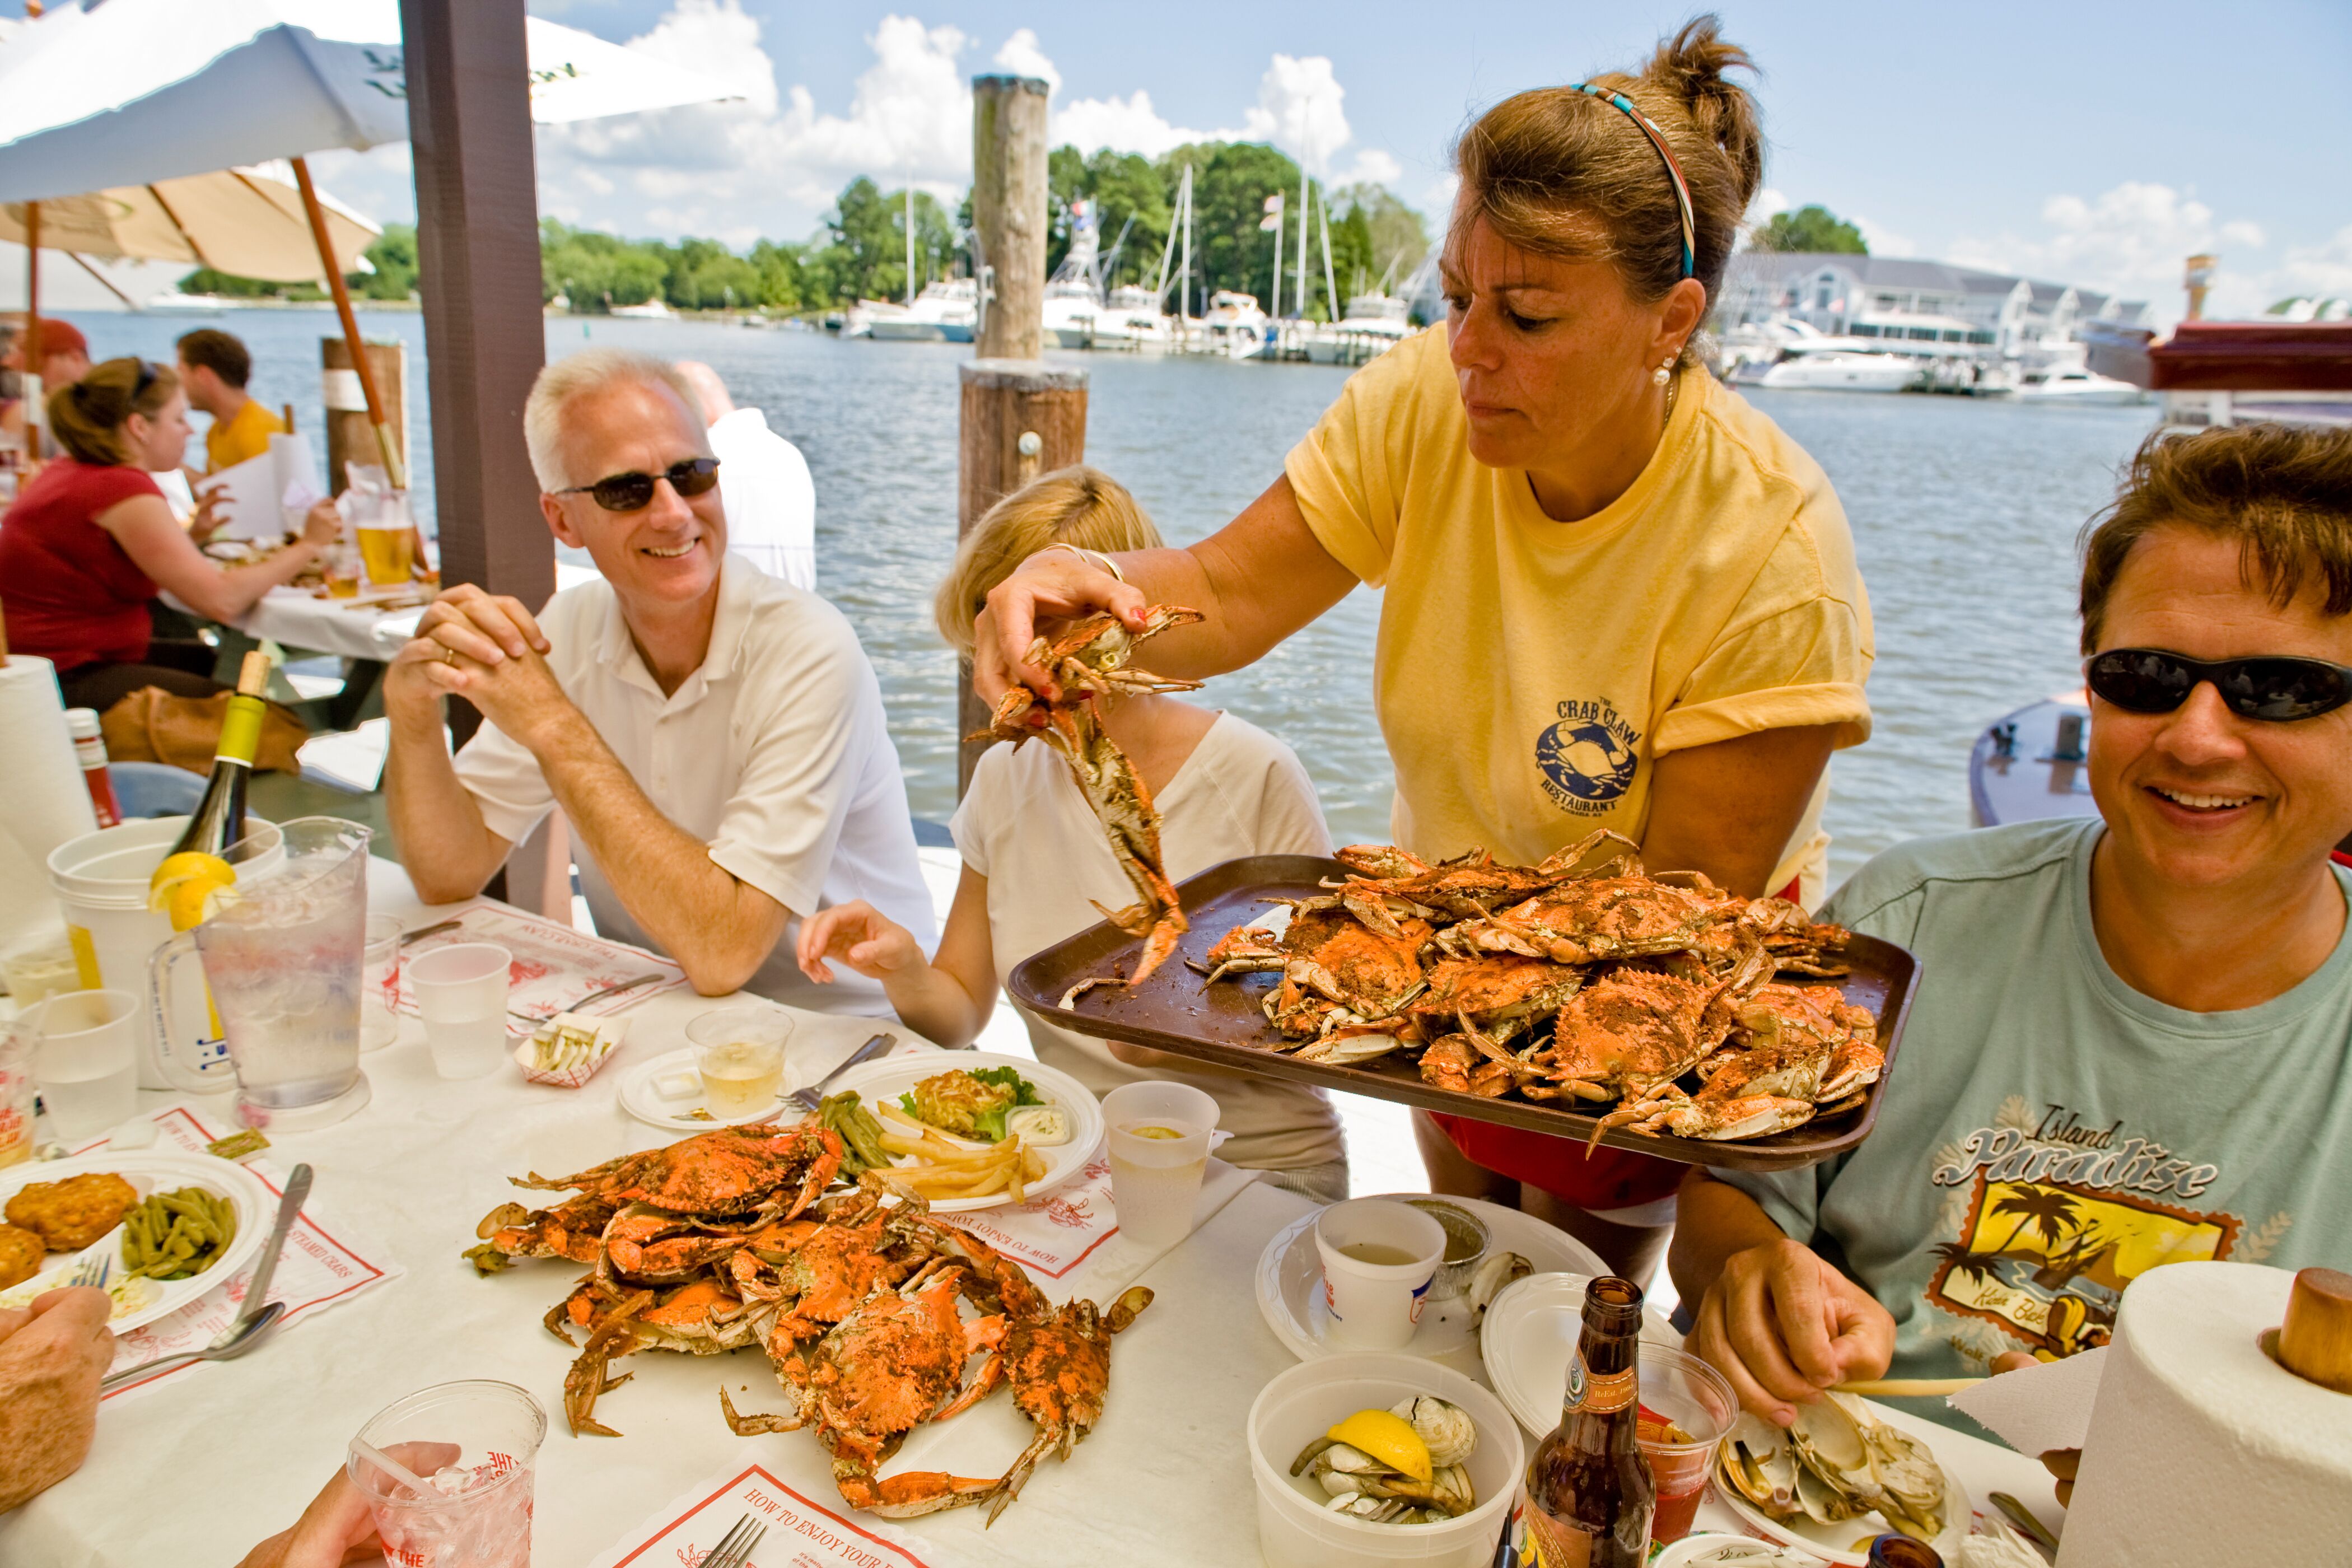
1584, 979
725, 1240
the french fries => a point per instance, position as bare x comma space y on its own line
949, 1170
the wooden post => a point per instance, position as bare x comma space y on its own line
1007, 405
1008, 208
478, 257
349, 432
1019, 418
394, 467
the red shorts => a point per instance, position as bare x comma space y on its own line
1609, 1179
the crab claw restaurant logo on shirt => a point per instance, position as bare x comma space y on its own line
1588, 759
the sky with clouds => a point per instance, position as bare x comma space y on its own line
2095, 142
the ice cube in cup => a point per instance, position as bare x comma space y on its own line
472, 1445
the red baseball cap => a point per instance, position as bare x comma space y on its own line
62, 337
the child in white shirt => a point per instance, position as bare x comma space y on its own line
1034, 854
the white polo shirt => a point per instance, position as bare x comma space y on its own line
771, 500
774, 754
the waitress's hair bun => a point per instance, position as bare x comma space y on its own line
1560, 172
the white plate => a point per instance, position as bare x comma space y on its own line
1290, 1278
1531, 1330
1830, 1542
148, 1171
642, 1098
894, 1074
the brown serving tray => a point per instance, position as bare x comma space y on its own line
1176, 1011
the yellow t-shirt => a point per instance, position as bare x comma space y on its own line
1530, 673
241, 438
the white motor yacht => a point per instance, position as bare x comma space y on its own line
944, 313
1827, 364
2067, 383
1234, 327
1373, 324
651, 310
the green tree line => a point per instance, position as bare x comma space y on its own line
860, 250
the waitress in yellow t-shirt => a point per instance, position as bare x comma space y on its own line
1615, 594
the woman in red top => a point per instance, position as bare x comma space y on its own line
90, 540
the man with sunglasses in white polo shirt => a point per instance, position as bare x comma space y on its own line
714, 735
2132, 1040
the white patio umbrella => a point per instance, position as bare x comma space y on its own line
101, 95
249, 222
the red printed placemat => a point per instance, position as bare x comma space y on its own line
798, 1533
555, 970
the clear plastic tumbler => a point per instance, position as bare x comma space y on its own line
87, 1062
379, 982
461, 994
447, 1474
1159, 1136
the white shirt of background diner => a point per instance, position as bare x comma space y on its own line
770, 498
775, 753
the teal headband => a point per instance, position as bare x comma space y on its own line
1618, 101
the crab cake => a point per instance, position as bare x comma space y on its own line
71, 1214
22, 1253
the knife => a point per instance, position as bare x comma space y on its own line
407, 937
2019, 1515
257, 1293
813, 1096
596, 996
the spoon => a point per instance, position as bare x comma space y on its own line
256, 1328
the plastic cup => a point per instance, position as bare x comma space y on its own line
379, 982
472, 1443
1159, 1136
461, 994
87, 1062
1379, 1258
38, 968
740, 1052
1678, 1387
17, 1042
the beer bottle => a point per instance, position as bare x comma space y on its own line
1902, 1552
1590, 1490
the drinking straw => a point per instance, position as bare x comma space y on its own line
394, 1468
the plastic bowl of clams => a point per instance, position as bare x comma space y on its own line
1367, 1460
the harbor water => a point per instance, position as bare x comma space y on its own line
1964, 512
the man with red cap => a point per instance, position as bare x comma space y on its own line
65, 359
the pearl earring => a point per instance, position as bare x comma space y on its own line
1664, 374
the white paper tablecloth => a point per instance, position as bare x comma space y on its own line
296, 619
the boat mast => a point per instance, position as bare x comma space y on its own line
1274, 202
1185, 287
1330, 293
1305, 202
911, 242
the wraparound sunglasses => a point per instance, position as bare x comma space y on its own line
635, 491
2273, 687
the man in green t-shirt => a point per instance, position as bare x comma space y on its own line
2132, 1040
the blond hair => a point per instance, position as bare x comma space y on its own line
1077, 505
1563, 174
86, 415
589, 370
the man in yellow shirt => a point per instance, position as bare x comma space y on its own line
213, 369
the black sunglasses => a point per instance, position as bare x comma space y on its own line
147, 374
635, 492
2275, 688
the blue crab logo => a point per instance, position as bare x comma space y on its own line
1587, 758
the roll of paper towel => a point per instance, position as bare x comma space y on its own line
46, 800
2202, 1450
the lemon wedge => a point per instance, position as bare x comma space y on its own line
185, 884
1387, 1437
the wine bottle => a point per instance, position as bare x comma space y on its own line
1590, 1490
219, 820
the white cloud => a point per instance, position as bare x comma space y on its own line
1022, 55
1882, 241
2321, 270
772, 161
2132, 240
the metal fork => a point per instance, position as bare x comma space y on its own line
734, 1549
94, 1269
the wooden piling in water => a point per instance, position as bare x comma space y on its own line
1019, 417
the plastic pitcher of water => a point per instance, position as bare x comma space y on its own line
282, 958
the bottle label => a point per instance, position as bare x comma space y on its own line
240, 736
1597, 1393
1553, 1544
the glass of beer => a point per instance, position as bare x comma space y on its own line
390, 553
342, 570
740, 1054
